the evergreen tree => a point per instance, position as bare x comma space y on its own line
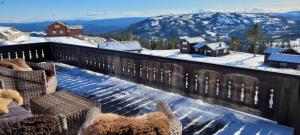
235, 43
253, 36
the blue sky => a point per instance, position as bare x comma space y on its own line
41, 10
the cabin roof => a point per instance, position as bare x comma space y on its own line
121, 45
280, 57
194, 40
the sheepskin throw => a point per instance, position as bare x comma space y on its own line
16, 64
36, 125
155, 123
6, 96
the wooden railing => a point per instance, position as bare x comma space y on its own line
268, 94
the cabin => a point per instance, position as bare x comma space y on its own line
10, 33
62, 29
187, 43
283, 57
128, 46
211, 49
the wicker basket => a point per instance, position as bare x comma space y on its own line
74, 107
42, 80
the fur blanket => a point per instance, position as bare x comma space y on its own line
16, 64
36, 125
6, 96
156, 123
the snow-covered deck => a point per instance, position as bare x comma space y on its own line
127, 98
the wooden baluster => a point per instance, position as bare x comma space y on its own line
154, 74
169, 77
43, 54
161, 75
196, 83
242, 92
229, 89
218, 87
9, 56
271, 102
134, 72
1, 56
16, 55
36, 54
256, 95
141, 71
147, 72
206, 85
186, 80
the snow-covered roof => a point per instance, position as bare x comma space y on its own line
200, 45
218, 45
9, 31
75, 27
4, 28
194, 40
285, 58
274, 50
122, 46
213, 46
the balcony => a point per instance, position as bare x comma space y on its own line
231, 97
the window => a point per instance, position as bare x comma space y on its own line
68, 31
298, 67
57, 26
282, 64
53, 32
184, 43
196, 49
225, 50
61, 32
208, 51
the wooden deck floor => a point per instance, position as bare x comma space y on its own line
126, 98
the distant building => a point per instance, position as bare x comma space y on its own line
10, 33
129, 46
211, 49
62, 29
187, 43
283, 57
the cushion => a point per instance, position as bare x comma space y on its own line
155, 123
16, 64
35, 125
6, 96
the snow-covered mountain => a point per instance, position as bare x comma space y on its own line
212, 24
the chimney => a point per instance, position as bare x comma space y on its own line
220, 45
65, 23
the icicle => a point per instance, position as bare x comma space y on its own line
242, 92
218, 87
271, 102
229, 89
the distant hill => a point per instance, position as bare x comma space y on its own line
290, 15
216, 24
90, 26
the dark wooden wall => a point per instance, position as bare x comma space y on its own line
268, 94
